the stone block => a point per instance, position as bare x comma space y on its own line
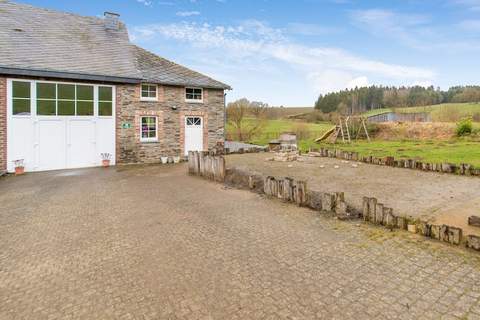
328, 202
474, 221
255, 183
237, 178
473, 242
314, 200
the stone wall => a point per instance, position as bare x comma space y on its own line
3, 124
171, 135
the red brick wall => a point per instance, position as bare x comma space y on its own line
3, 124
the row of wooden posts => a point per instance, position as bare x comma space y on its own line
205, 164
460, 169
286, 189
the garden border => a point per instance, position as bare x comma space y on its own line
461, 169
287, 189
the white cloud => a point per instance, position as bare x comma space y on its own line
147, 3
401, 27
307, 29
187, 13
254, 50
413, 30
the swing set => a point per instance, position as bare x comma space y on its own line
357, 124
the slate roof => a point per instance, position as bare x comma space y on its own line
156, 69
35, 40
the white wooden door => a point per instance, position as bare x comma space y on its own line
56, 141
193, 134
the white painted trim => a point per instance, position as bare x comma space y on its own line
149, 98
155, 139
34, 119
193, 100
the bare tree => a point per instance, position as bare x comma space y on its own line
248, 118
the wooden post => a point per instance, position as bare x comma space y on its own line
346, 127
300, 193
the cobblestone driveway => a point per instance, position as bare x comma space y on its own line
153, 243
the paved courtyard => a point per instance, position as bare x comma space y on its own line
153, 243
440, 198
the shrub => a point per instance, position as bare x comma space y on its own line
464, 127
301, 130
476, 117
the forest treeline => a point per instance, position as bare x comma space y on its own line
358, 100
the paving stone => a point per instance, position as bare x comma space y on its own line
150, 242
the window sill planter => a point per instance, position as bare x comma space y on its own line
176, 159
164, 160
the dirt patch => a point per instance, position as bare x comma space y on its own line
415, 130
440, 198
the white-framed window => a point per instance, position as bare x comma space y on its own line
149, 92
194, 94
21, 98
58, 99
148, 129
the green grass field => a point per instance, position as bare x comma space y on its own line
454, 151
446, 112
273, 128
457, 150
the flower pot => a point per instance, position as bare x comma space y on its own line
164, 160
106, 163
176, 159
19, 170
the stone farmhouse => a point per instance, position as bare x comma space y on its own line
74, 88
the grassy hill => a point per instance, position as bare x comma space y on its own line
446, 112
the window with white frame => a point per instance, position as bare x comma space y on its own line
148, 129
61, 99
194, 94
149, 92
21, 98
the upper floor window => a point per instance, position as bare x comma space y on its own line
194, 94
149, 92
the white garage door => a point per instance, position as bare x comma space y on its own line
193, 134
57, 125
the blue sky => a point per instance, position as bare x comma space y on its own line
287, 52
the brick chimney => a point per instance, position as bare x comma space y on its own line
111, 20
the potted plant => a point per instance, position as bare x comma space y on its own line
106, 159
19, 167
164, 160
176, 159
